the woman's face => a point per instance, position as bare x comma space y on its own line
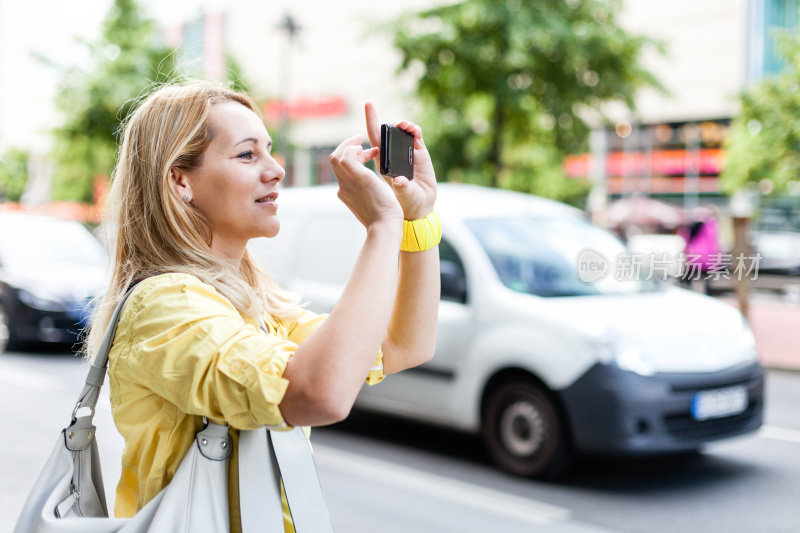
236, 185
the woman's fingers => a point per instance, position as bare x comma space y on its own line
412, 198
374, 129
414, 130
400, 184
350, 152
368, 154
350, 142
416, 197
373, 125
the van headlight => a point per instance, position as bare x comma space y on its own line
611, 348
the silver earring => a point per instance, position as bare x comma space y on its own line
185, 197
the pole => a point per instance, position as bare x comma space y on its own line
691, 198
598, 196
742, 205
741, 248
290, 26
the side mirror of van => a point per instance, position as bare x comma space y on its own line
454, 282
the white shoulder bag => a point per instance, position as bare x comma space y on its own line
68, 496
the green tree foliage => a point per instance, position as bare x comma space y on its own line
764, 142
125, 60
506, 87
235, 74
13, 174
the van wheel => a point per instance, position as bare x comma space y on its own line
523, 431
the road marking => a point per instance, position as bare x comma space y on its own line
22, 377
489, 500
776, 433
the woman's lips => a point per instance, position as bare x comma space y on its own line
268, 199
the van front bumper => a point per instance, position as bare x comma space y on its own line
613, 410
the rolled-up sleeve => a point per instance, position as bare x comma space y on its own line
308, 322
190, 346
376, 373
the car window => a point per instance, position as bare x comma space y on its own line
539, 255
453, 276
37, 241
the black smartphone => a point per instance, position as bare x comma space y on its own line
397, 152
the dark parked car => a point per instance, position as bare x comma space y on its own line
50, 269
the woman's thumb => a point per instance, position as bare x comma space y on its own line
400, 185
400, 182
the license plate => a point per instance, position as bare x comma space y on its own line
719, 403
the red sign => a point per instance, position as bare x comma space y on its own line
659, 163
304, 108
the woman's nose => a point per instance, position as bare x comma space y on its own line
272, 170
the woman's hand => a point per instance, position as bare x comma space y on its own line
416, 196
361, 189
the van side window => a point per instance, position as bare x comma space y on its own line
453, 277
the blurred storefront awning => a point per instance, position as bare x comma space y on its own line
644, 212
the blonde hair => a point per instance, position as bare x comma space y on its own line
151, 230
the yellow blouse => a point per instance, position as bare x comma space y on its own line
181, 352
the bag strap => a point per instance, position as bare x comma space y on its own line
300, 481
99, 365
265, 459
268, 457
259, 483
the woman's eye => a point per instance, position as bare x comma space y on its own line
246, 155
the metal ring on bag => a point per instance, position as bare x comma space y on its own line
75, 411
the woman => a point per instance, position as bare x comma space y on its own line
703, 252
194, 182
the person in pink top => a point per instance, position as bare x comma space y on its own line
703, 250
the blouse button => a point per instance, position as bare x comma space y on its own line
236, 367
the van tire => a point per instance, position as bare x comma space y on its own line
523, 432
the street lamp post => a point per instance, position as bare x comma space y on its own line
691, 194
290, 26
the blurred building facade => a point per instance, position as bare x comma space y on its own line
313, 64
672, 146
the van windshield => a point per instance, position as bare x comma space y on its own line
540, 256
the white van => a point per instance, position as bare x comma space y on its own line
540, 361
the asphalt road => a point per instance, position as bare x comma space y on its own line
392, 476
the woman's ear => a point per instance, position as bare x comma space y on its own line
180, 184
